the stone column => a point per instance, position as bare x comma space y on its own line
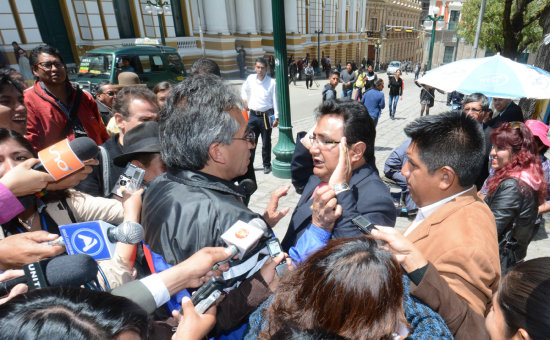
215, 16
246, 19
291, 16
267, 17
341, 16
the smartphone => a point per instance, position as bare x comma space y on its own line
274, 247
364, 225
131, 179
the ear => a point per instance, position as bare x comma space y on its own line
356, 151
522, 334
447, 178
216, 153
120, 121
35, 70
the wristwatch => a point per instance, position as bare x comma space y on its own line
340, 187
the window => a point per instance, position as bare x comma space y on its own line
157, 64
145, 63
374, 24
448, 54
453, 19
175, 64
96, 66
124, 19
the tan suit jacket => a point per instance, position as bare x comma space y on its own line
460, 239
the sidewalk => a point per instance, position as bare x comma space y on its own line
389, 135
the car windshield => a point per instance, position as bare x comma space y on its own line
395, 64
95, 66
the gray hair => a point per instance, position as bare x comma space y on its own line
195, 116
478, 97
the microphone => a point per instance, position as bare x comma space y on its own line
243, 236
98, 238
64, 270
64, 157
248, 186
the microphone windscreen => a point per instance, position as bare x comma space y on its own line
71, 270
248, 186
127, 232
84, 148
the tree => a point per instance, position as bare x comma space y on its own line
509, 26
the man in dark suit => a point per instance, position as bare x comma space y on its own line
359, 191
508, 112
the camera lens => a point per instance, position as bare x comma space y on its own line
122, 182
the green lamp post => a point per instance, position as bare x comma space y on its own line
285, 147
432, 21
159, 7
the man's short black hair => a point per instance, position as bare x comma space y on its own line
450, 139
205, 65
358, 124
335, 71
100, 86
261, 61
47, 49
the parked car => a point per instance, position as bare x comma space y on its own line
152, 63
393, 67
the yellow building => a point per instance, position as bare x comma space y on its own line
350, 28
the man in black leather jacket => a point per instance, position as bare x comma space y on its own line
205, 144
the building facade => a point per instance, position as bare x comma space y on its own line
345, 30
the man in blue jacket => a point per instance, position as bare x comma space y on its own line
359, 191
373, 100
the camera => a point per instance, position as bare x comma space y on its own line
130, 180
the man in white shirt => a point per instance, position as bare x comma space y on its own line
453, 229
260, 99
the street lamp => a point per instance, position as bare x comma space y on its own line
432, 22
378, 47
318, 32
158, 7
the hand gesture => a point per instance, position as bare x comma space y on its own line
404, 251
343, 171
325, 209
199, 266
271, 215
22, 180
193, 326
16, 250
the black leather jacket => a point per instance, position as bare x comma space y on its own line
184, 211
515, 207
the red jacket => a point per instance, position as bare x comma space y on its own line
46, 121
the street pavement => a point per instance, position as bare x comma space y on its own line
389, 135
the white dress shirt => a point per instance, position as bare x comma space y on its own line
426, 211
260, 95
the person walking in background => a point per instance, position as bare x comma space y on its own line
361, 77
427, 98
309, 73
260, 98
374, 100
396, 91
416, 71
241, 61
292, 71
329, 90
348, 79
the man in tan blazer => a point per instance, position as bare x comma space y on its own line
453, 229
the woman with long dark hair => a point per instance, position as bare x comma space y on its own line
515, 191
395, 84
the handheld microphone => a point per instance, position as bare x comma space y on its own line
98, 238
64, 157
248, 186
64, 270
243, 236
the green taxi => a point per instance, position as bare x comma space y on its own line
152, 63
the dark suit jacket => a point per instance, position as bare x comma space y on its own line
512, 113
368, 197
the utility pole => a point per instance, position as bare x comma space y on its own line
478, 30
285, 147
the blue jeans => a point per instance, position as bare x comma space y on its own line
347, 93
393, 100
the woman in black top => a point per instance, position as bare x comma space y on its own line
396, 90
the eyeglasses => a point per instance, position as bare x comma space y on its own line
322, 142
109, 93
514, 125
250, 137
471, 109
48, 65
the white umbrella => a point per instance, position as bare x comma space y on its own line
494, 76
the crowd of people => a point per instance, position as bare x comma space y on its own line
458, 271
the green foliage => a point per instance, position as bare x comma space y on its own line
492, 37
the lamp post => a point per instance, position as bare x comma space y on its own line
318, 32
433, 22
378, 46
159, 7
